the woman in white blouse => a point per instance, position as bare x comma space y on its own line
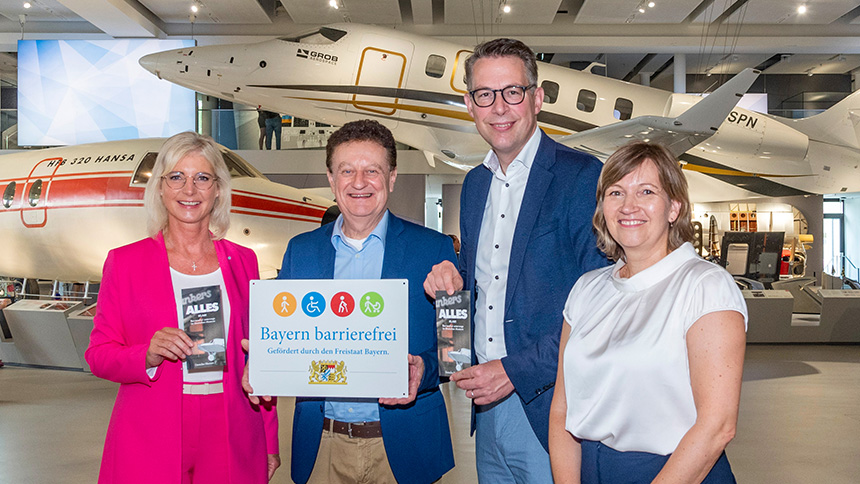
651, 355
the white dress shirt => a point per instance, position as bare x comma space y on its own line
494, 248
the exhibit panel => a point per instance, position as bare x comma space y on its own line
80, 323
769, 316
41, 334
840, 315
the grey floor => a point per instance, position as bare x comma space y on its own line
799, 421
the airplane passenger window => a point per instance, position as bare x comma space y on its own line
586, 100
623, 109
35, 193
435, 66
550, 91
9, 195
144, 169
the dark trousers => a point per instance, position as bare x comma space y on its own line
605, 465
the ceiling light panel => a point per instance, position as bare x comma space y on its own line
210, 11
720, 64
312, 11
618, 11
39, 11
785, 12
380, 12
486, 12
819, 63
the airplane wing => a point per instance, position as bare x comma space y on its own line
679, 134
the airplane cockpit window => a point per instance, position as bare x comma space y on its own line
238, 167
144, 169
9, 194
325, 35
550, 91
586, 100
623, 109
435, 66
35, 193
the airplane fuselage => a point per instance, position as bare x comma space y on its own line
63, 209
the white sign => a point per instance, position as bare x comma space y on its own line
329, 338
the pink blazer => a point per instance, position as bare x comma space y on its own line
143, 442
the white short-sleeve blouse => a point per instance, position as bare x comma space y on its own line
626, 371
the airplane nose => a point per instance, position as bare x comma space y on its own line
150, 63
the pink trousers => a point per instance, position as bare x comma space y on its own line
204, 439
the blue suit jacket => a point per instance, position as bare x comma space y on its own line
553, 245
417, 438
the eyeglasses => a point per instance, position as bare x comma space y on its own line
512, 95
176, 180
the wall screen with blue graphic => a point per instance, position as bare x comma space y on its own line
84, 91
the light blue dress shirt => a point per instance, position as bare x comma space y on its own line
351, 263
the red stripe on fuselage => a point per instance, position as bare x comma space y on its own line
273, 197
292, 208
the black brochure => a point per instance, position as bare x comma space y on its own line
203, 321
454, 331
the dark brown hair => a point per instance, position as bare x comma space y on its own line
362, 130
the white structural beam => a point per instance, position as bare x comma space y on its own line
680, 69
116, 18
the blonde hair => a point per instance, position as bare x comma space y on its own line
625, 161
172, 151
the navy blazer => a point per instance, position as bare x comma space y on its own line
553, 245
417, 438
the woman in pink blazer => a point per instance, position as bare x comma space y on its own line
169, 424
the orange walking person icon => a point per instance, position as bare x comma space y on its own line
284, 304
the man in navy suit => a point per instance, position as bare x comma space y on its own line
349, 440
526, 236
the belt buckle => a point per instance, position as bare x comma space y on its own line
349, 428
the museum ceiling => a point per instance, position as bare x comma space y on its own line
629, 36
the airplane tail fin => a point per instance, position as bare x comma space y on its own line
838, 125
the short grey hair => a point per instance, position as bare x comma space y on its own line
172, 151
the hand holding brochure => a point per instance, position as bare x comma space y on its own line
203, 322
454, 331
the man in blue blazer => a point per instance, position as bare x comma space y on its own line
362, 440
526, 236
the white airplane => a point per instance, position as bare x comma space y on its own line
69, 206
415, 86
